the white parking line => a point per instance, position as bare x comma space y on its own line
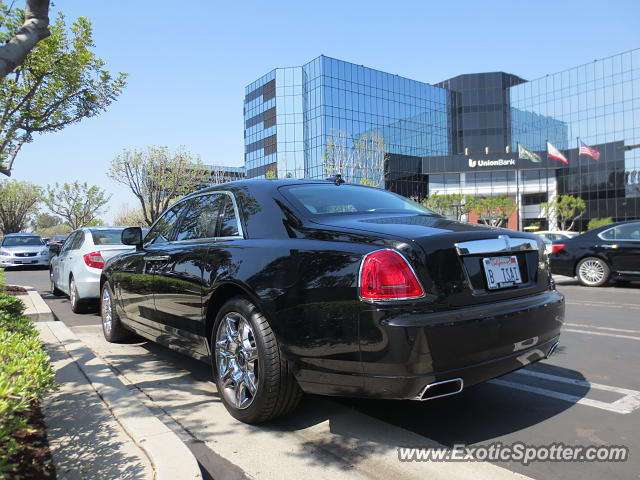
627, 404
602, 334
602, 328
626, 306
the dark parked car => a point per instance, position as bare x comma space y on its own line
291, 286
601, 254
57, 240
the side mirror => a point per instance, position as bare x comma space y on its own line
132, 236
55, 249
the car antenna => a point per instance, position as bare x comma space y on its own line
337, 179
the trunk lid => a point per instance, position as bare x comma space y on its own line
449, 261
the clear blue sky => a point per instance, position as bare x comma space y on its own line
190, 61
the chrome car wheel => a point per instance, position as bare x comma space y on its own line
236, 355
107, 318
592, 271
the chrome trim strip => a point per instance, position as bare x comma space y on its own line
369, 300
552, 349
157, 258
616, 239
503, 243
629, 272
431, 385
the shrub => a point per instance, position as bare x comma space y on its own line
599, 222
25, 372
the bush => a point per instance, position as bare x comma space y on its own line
599, 222
25, 372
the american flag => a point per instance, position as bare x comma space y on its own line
588, 151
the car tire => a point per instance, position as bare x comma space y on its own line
112, 327
54, 290
593, 272
245, 357
78, 305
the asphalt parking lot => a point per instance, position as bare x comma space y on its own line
588, 393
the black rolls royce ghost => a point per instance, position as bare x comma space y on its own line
610, 252
291, 286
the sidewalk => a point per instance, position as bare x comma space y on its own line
86, 441
98, 429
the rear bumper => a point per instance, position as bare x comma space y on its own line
402, 351
409, 387
474, 343
561, 266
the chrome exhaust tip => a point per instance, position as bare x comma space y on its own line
440, 389
552, 349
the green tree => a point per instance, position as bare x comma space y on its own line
454, 205
494, 211
18, 201
564, 210
59, 83
44, 221
357, 160
20, 39
130, 217
77, 203
61, 229
599, 222
157, 177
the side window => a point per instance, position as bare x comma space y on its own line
162, 229
200, 217
609, 234
77, 241
67, 244
228, 220
630, 231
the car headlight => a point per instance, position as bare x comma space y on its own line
44, 252
5, 252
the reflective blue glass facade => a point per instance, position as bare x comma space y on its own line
460, 135
597, 104
328, 98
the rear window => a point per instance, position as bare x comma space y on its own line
323, 199
22, 241
107, 237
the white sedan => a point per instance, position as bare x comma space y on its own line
76, 268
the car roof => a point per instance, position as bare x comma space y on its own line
262, 183
102, 227
22, 235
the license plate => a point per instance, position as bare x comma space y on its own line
501, 272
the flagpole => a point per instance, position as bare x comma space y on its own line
546, 174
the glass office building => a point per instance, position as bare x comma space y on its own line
460, 135
293, 114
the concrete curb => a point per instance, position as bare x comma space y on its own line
169, 456
36, 308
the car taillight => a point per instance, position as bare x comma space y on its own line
386, 275
94, 259
557, 247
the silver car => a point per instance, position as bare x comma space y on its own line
20, 249
76, 269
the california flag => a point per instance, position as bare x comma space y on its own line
554, 153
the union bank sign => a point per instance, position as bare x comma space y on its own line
464, 163
501, 162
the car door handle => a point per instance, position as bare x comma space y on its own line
156, 258
609, 246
